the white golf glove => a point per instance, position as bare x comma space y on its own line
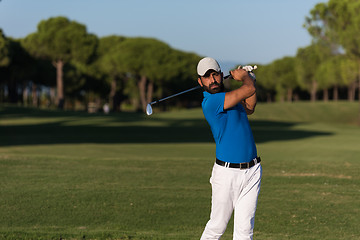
250, 69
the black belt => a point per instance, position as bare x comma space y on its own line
239, 165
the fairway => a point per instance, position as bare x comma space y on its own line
71, 175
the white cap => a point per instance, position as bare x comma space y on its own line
206, 64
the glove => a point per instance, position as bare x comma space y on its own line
250, 69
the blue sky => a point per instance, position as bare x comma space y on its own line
258, 31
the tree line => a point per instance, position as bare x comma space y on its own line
72, 64
63, 65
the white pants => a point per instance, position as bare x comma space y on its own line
233, 190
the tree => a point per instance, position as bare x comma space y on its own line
108, 69
145, 59
4, 50
307, 61
61, 41
15, 65
180, 75
21, 68
266, 82
328, 75
44, 75
285, 78
318, 25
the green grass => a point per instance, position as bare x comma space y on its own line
66, 175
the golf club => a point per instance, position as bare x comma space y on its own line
149, 110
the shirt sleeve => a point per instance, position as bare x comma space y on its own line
215, 103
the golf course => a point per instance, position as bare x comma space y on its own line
75, 175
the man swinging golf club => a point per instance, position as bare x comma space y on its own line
236, 174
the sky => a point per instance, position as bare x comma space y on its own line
258, 31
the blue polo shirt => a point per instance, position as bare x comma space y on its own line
230, 128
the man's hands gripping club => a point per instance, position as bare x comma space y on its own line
246, 94
237, 74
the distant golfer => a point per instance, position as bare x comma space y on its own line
236, 175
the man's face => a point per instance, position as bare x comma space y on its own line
212, 82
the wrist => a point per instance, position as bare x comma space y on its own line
248, 79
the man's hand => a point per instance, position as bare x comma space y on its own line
239, 74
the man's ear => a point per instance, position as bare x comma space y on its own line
200, 82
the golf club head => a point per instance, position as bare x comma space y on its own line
149, 109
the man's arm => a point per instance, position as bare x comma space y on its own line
249, 104
243, 93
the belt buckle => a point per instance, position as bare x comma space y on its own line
244, 167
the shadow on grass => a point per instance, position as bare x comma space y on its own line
134, 128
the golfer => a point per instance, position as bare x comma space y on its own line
236, 174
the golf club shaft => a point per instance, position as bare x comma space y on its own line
191, 89
163, 99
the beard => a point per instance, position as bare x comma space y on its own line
214, 87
